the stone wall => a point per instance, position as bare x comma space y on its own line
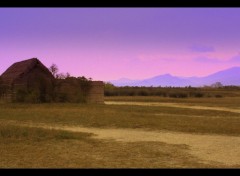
7, 96
96, 93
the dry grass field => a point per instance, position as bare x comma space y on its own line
125, 132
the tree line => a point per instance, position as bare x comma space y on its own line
172, 92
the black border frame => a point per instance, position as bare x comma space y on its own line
124, 4
119, 3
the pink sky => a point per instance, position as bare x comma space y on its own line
112, 43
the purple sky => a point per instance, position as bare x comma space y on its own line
111, 43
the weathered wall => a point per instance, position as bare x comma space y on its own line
35, 79
7, 96
96, 93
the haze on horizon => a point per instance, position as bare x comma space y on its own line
112, 43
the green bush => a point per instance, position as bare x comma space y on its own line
178, 95
61, 97
196, 94
143, 93
173, 92
218, 96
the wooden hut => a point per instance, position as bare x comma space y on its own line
28, 76
30, 80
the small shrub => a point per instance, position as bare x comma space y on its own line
37, 134
131, 93
178, 95
62, 97
143, 93
160, 93
196, 94
218, 96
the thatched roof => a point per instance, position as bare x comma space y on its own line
19, 68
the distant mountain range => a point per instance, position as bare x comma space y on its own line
229, 76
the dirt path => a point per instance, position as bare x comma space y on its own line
209, 148
176, 105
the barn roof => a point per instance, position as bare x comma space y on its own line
19, 68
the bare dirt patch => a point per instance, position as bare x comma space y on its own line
175, 105
208, 148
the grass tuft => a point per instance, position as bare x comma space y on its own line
38, 134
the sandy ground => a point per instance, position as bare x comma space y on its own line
176, 105
208, 148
